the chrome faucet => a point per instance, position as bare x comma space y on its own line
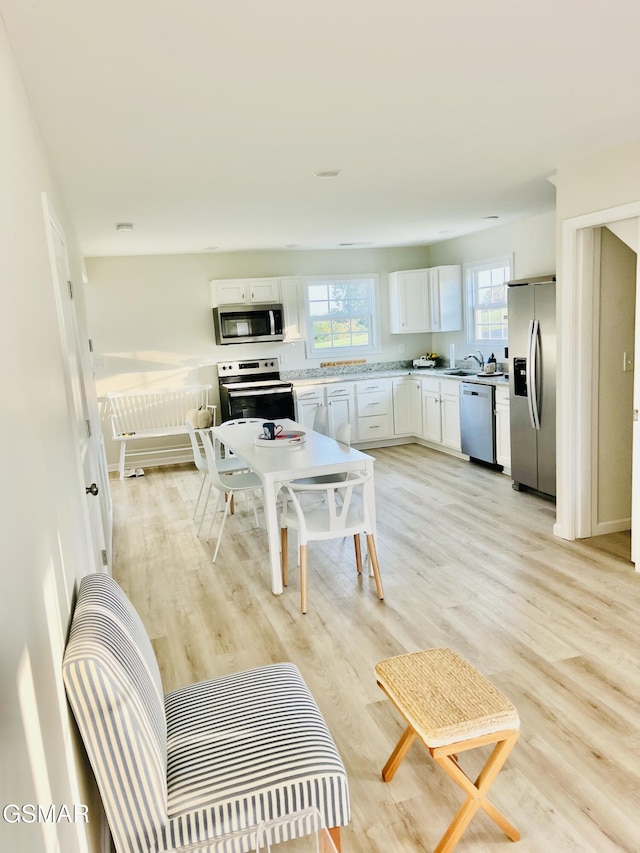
479, 360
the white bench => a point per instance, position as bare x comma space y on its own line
143, 415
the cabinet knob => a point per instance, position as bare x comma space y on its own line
92, 489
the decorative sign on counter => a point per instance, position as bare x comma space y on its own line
342, 363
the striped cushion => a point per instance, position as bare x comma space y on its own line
113, 684
214, 759
248, 748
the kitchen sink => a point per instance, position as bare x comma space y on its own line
458, 372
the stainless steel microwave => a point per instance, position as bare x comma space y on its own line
246, 324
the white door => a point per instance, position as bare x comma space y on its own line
91, 468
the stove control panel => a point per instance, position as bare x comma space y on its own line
249, 368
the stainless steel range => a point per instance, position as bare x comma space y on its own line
253, 389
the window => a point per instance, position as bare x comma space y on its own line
487, 300
341, 315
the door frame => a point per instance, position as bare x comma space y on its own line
576, 397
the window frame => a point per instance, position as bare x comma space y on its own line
314, 352
470, 271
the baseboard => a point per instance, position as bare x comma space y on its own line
615, 526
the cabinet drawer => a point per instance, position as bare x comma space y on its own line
375, 403
378, 426
308, 394
373, 386
339, 389
430, 383
450, 387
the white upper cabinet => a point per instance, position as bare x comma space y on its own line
409, 301
445, 298
292, 298
245, 291
428, 300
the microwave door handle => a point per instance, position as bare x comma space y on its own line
272, 321
532, 374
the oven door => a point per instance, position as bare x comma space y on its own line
271, 404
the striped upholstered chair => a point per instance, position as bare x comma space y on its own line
222, 759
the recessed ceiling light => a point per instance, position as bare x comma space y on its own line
210, 248
446, 231
124, 226
328, 173
356, 243
491, 217
291, 246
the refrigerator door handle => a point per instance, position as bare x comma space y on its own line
532, 374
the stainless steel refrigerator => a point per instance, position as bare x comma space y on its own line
532, 383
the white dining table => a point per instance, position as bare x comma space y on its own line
316, 455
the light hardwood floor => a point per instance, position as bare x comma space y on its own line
467, 563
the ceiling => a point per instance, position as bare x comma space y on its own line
203, 122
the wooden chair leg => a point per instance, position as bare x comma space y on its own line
303, 578
356, 542
373, 556
284, 550
334, 834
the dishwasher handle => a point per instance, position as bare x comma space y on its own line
476, 391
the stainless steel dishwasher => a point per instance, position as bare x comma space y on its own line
477, 421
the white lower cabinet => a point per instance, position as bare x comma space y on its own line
441, 412
407, 407
340, 400
431, 421
503, 429
374, 410
450, 414
307, 399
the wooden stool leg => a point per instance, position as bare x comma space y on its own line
395, 759
284, 551
373, 555
303, 578
476, 792
356, 543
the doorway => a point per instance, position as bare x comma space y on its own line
582, 429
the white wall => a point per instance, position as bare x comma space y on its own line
533, 245
43, 542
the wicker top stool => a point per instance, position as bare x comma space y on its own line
451, 708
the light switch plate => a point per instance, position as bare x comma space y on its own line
627, 362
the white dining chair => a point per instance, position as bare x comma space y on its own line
226, 484
228, 465
335, 518
200, 463
321, 420
343, 434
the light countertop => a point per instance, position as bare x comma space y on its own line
437, 372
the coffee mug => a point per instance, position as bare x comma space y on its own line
271, 430
490, 367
